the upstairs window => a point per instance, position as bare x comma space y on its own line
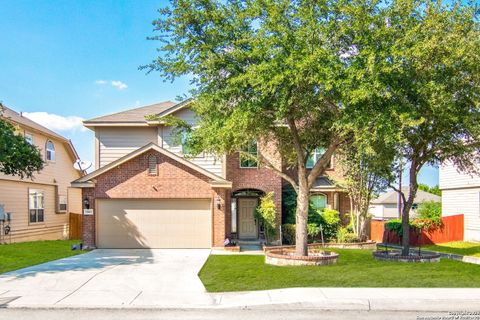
36, 205
315, 156
50, 148
318, 201
29, 137
152, 165
185, 136
248, 156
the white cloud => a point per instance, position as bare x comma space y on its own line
119, 84
56, 122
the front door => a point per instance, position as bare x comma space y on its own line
247, 221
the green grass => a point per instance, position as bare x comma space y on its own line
457, 247
20, 255
355, 268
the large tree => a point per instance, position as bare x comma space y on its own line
295, 73
434, 53
17, 156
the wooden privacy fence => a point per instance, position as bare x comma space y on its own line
75, 228
451, 230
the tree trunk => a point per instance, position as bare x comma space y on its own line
301, 217
413, 186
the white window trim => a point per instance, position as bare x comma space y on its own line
36, 192
65, 202
316, 156
51, 151
29, 134
240, 159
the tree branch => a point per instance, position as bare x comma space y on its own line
322, 163
399, 191
279, 172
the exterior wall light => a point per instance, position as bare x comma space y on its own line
86, 203
218, 202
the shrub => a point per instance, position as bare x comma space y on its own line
266, 212
330, 216
313, 230
430, 210
395, 225
288, 233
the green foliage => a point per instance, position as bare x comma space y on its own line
330, 216
346, 236
433, 190
313, 230
430, 210
266, 212
17, 156
395, 225
288, 233
289, 204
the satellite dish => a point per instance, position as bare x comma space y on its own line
82, 165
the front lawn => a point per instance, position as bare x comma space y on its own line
355, 268
25, 254
457, 247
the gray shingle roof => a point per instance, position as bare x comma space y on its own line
392, 197
18, 118
133, 115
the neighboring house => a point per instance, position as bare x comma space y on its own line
461, 195
386, 205
40, 206
146, 192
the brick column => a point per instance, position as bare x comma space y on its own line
89, 221
218, 217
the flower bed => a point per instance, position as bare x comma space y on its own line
285, 256
396, 255
369, 245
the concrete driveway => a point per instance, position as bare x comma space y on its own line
160, 277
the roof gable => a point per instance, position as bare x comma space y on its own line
216, 181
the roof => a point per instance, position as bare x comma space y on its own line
137, 116
391, 197
19, 119
87, 180
323, 183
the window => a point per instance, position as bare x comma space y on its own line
50, 147
29, 137
318, 201
234, 215
62, 203
248, 158
35, 205
314, 157
152, 165
184, 140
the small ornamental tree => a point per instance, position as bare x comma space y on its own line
298, 74
266, 212
17, 156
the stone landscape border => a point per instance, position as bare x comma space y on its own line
282, 256
395, 255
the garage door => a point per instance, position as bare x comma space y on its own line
154, 224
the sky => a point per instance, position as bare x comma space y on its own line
65, 61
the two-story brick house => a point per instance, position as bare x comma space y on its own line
39, 207
147, 192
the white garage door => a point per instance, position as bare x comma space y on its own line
154, 224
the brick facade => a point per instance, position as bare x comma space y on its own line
261, 178
174, 180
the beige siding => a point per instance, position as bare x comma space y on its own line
14, 197
450, 178
167, 141
54, 180
466, 202
117, 142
